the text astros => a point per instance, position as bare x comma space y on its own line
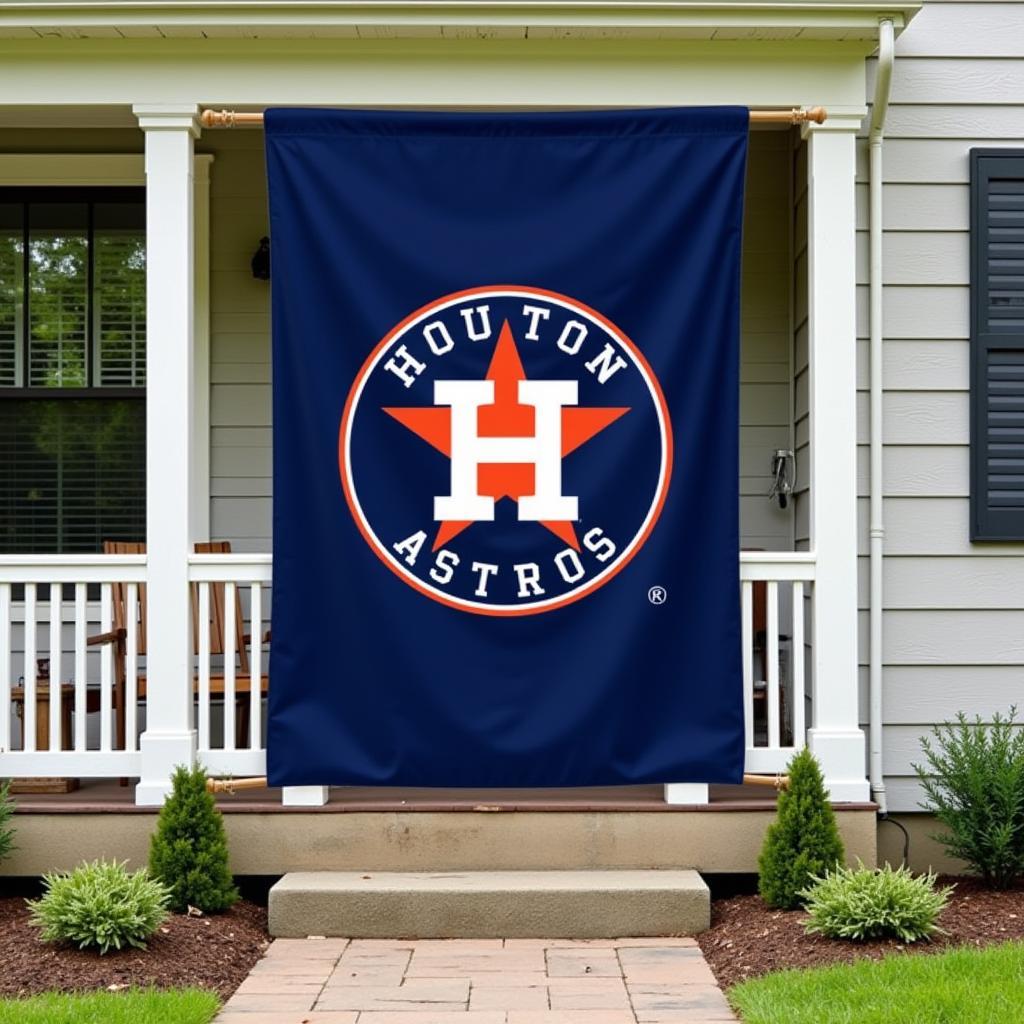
505, 451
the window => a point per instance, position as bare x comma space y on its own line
72, 368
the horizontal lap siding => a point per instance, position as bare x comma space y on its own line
240, 407
241, 443
800, 340
954, 611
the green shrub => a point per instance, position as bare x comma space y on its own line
973, 779
6, 813
866, 904
189, 850
100, 905
803, 842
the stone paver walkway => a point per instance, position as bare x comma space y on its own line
479, 981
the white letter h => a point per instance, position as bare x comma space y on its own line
543, 450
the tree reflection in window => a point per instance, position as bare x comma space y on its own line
72, 369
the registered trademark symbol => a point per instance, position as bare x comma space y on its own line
657, 595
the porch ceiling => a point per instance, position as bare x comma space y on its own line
851, 21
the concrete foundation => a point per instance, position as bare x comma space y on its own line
926, 854
272, 843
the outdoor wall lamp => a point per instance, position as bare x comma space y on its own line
261, 260
783, 476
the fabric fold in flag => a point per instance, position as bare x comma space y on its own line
505, 357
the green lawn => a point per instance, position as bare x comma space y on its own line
189, 1006
962, 986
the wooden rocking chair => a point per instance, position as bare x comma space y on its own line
119, 633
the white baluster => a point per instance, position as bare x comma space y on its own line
5, 667
81, 682
772, 653
204, 666
131, 665
747, 636
28, 739
229, 666
106, 667
56, 616
256, 667
797, 658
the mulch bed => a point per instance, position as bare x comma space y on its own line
214, 952
747, 939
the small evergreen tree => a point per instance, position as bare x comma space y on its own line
973, 780
803, 843
6, 813
189, 850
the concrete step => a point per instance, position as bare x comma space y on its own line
489, 904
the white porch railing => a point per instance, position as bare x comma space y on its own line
53, 672
73, 658
776, 602
239, 584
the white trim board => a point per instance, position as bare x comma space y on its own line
70, 169
831, 19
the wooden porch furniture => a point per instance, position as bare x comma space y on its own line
65, 741
67, 704
760, 623
117, 636
759, 617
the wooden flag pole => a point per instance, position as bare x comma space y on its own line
234, 785
254, 118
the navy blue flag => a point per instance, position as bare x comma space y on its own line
505, 447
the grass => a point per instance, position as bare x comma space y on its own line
961, 986
185, 1006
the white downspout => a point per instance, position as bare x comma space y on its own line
879, 108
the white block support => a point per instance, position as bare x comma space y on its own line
304, 796
677, 793
170, 738
835, 736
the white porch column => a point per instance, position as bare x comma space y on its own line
170, 738
835, 737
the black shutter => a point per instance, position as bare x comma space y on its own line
997, 344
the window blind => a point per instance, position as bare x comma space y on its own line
57, 304
73, 473
119, 295
11, 277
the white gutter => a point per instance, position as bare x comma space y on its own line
879, 108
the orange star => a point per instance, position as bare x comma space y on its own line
505, 418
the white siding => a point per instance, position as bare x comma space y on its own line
765, 360
801, 370
954, 619
240, 416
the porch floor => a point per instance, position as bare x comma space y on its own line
102, 795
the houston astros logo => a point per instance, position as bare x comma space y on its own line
506, 450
